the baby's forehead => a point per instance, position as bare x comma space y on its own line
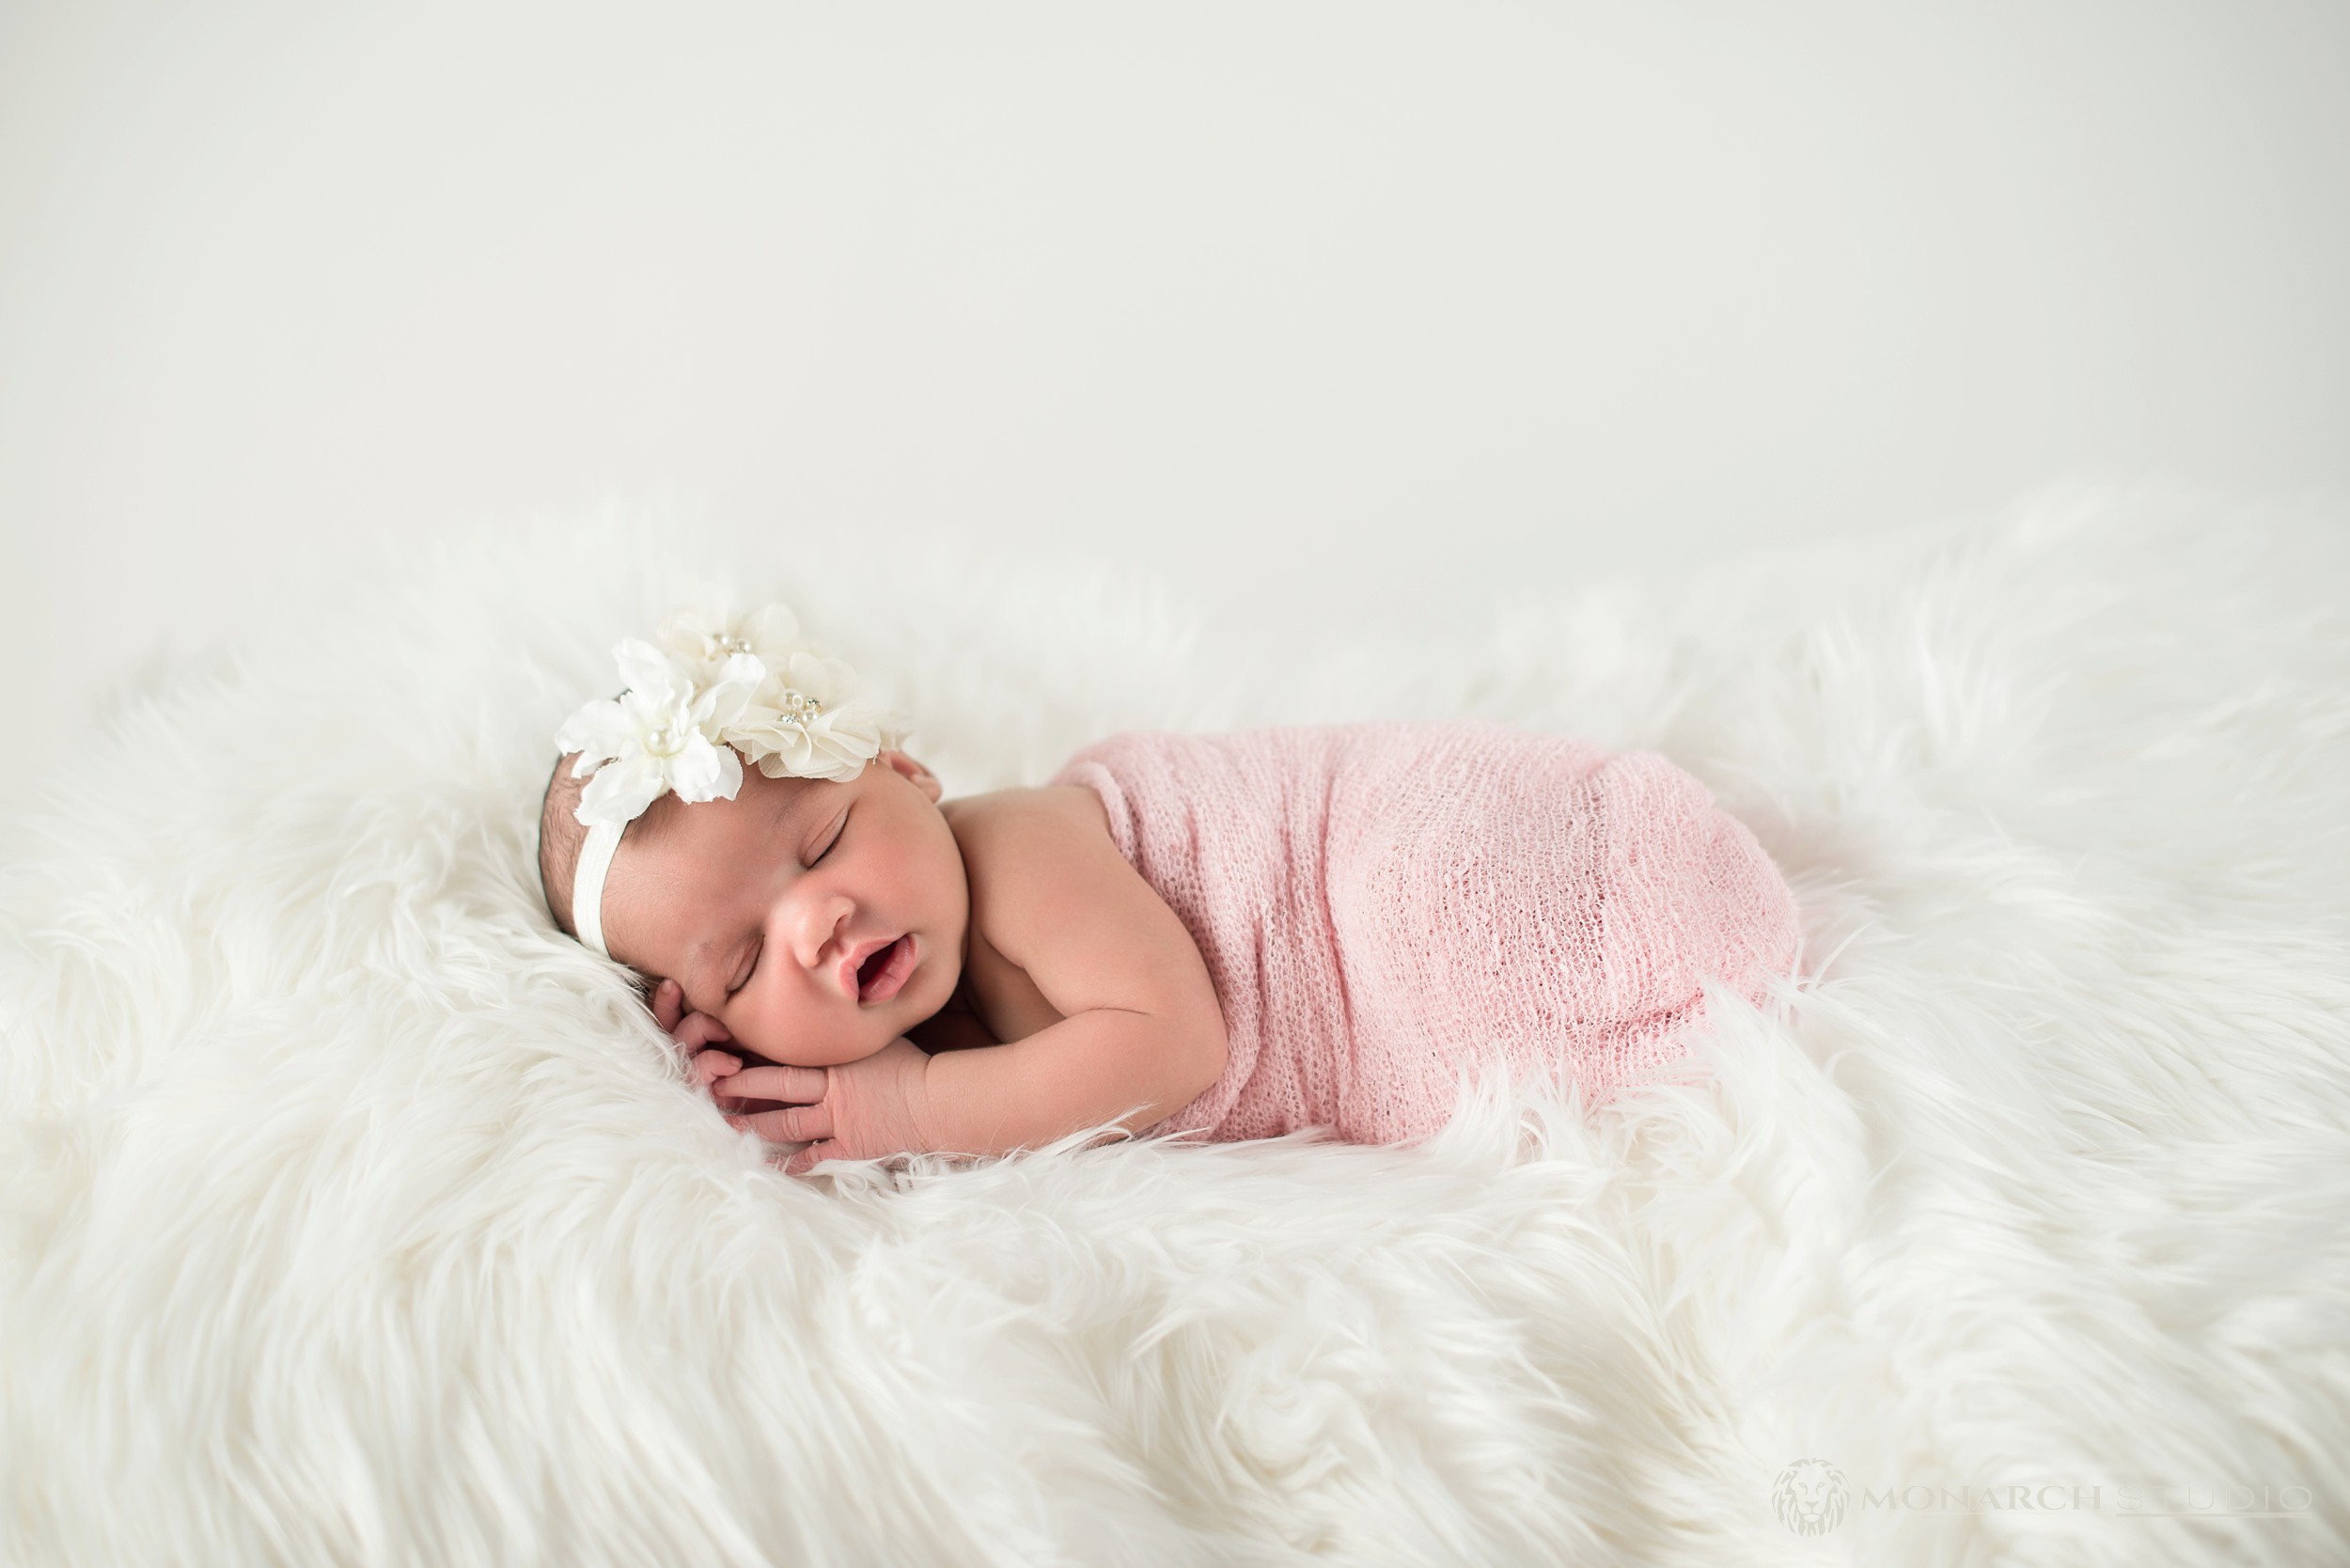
680, 866
720, 833
700, 873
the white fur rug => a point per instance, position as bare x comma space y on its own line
351, 1215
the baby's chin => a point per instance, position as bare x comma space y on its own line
778, 1052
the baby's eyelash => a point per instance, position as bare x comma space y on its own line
833, 839
750, 972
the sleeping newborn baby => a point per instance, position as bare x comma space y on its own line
1232, 936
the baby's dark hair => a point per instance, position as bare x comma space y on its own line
560, 836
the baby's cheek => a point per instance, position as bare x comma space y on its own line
833, 1048
777, 1034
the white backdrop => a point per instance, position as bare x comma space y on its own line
1327, 311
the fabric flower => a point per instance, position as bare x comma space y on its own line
705, 640
719, 690
809, 719
662, 733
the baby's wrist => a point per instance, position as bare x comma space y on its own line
923, 1107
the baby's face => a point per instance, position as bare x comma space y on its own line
817, 922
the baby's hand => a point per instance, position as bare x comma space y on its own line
859, 1110
693, 1033
691, 1030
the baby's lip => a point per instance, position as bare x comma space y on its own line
885, 980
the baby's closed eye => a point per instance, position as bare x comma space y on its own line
747, 966
832, 837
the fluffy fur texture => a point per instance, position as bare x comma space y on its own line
351, 1215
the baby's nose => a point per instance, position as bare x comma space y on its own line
823, 923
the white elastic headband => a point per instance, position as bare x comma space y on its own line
595, 864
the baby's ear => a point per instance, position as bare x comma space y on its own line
923, 778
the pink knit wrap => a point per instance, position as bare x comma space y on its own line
1380, 905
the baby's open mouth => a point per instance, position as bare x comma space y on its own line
880, 976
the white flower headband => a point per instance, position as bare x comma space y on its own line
716, 692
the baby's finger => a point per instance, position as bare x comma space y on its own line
668, 1004
697, 1030
804, 1160
796, 1086
791, 1124
710, 1066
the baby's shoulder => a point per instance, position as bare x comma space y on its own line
1035, 860
1024, 823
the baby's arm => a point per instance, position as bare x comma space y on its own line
1140, 1034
